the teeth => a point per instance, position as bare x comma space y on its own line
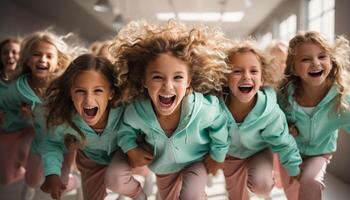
316, 71
245, 85
89, 107
166, 96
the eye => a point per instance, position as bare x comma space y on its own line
305, 59
254, 71
178, 77
322, 56
79, 91
236, 72
98, 90
156, 77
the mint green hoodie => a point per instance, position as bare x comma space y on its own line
264, 127
98, 147
318, 132
19, 92
201, 130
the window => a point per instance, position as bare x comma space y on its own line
287, 28
321, 17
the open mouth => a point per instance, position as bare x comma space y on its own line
41, 67
245, 88
90, 111
316, 73
167, 100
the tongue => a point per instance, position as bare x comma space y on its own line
245, 89
166, 100
91, 112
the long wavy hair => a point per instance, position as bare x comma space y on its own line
339, 53
269, 68
140, 42
60, 107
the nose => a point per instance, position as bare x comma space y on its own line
316, 62
88, 98
43, 58
168, 84
246, 75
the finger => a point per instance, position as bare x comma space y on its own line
45, 189
148, 156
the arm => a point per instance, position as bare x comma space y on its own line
281, 142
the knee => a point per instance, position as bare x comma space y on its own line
310, 182
116, 181
261, 187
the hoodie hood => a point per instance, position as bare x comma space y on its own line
24, 89
190, 107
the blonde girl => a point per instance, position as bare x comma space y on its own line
257, 126
315, 98
43, 57
166, 73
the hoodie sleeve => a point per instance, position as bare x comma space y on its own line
52, 150
277, 135
218, 134
126, 135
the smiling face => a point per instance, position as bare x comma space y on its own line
312, 64
91, 92
10, 55
246, 77
166, 79
43, 60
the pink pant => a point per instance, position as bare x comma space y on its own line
14, 150
188, 184
117, 177
310, 185
253, 173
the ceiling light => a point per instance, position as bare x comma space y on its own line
165, 16
102, 6
232, 16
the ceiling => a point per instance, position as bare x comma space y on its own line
79, 15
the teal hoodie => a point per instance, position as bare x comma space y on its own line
97, 147
201, 130
19, 92
318, 132
264, 127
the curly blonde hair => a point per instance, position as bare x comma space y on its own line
140, 42
270, 70
339, 53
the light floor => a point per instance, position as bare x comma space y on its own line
336, 190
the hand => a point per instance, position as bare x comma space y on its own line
292, 179
26, 111
53, 185
293, 130
139, 157
71, 142
211, 165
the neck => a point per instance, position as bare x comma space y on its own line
170, 122
240, 110
310, 96
102, 123
38, 85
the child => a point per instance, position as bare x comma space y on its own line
160, 66
257, 126
82, 104
315, 99
9, 49
43, 57
12, 170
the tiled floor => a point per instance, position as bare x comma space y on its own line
336, 190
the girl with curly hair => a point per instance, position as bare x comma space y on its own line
315, 99
257, 126
167, 73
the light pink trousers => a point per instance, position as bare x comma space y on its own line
310, 185
14, 151
117, 177
253, 174
187, 184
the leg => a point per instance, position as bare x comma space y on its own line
169, 186
33, 177
194, 180
92, 175
311, 180
235, 173
260, 179
119, 177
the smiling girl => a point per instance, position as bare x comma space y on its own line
257, 126
315, 98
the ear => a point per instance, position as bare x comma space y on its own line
111, 96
